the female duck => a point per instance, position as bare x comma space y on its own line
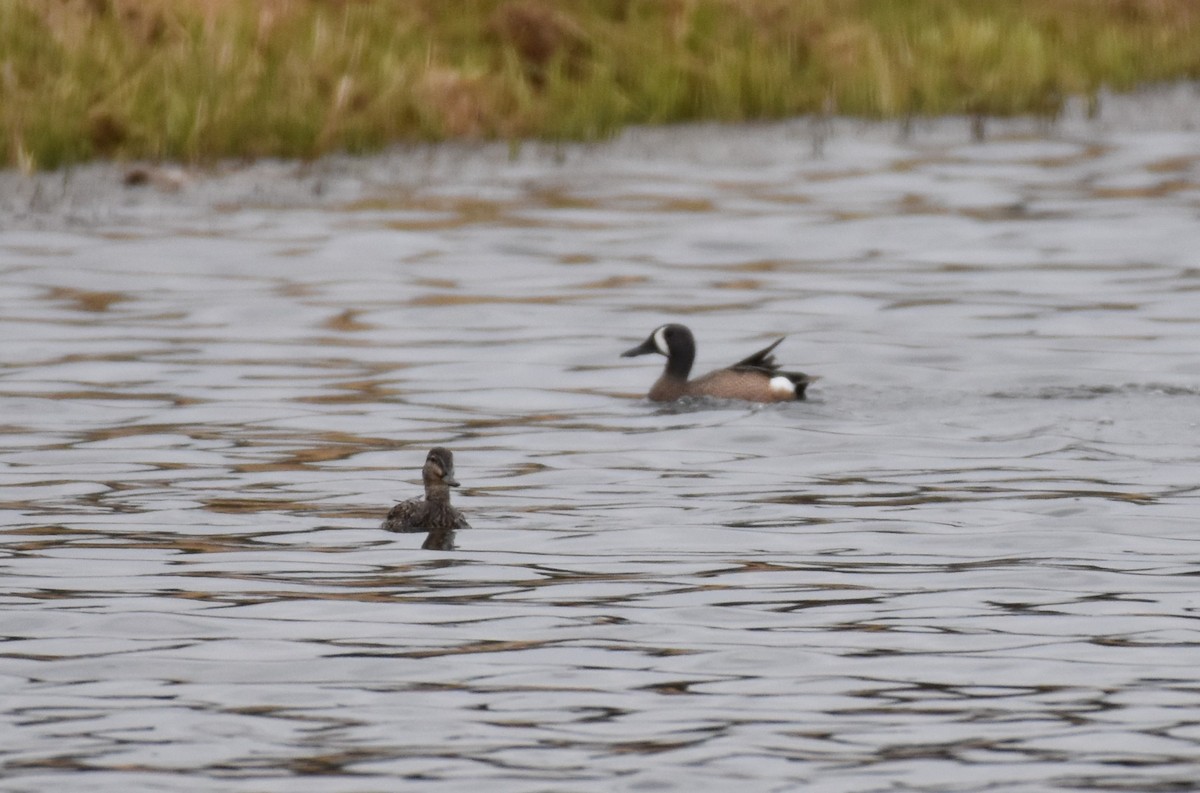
755, 379
433, 513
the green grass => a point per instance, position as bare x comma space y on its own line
198, 80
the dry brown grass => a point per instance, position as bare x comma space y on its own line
204, 79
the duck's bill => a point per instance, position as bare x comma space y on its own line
644, 348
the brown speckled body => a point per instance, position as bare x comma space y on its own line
756, 378
749, 385
433, 513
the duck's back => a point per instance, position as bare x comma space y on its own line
753, 385
418, 514
407, 516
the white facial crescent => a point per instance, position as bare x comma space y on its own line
660, 341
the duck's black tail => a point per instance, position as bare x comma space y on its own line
800, 380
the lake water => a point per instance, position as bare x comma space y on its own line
968, 563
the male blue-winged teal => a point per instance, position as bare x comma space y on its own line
433, 513
756, 379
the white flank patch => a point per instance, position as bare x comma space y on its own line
782, 387
660, 341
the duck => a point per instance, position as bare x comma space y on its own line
432, 513
754, 379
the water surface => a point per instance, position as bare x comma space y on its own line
967, 563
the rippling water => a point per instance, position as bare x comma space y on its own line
969, 562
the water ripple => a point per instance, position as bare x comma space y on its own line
967, 563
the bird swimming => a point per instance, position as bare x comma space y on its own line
756, 378
432, 513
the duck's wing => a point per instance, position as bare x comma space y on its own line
406, 516
762, 360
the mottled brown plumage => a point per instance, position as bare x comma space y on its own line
432, 513
755, 379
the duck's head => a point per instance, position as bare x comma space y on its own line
439, 467
674, 341
670, 340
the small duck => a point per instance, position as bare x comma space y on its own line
755, 379
433, 513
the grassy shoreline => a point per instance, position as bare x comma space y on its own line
198, 80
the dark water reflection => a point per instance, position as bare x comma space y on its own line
968, 563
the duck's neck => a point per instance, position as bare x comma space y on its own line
437, 492
679, 364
